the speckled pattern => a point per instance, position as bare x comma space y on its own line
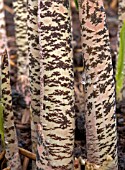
20, 18
11, 144
99, 83
34, 68
56, 128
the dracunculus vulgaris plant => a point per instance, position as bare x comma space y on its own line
34, 70
20, 19
28, 56
11, 144
57, 134
56, 125
100, 106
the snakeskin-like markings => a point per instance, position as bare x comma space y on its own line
57, 115
99, 88
20, 19
11, 144
34, 68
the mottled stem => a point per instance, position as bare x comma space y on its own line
56, 128
34, 69
100, 87
11, 144
20, 18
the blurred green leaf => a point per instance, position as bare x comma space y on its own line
120, 69
76, 2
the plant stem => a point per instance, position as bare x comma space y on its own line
99, 86
56, 127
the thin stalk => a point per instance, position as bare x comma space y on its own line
20, 18
34, 70
56, 128
100, 104
11, 144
